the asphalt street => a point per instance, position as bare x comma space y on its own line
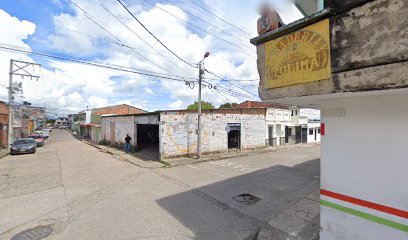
70, 190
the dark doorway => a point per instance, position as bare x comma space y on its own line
234, 136
304, 135
148, 141
298, 135
288, 133
301, 135
270, 135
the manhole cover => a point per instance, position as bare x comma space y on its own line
36, 233
247, 199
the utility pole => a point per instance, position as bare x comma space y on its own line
201, 72
17, 68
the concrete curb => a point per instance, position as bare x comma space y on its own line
170, 163
119, 156
192, 161
4, 153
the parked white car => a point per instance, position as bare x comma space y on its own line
45, 133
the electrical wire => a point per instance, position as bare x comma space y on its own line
224, 96
96, 64
204, 21
138, 36
111, 34
223, 79
110, 41
154, 36
222, 19
203, 30
136, 50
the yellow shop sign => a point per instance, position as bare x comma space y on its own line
299, 57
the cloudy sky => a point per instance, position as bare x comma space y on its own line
103, 31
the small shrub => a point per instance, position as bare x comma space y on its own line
105, 142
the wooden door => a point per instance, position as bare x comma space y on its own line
112, 132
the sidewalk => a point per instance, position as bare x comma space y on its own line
125, 157
183, 161
214, 157
4, 152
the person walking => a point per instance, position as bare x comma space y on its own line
127, 143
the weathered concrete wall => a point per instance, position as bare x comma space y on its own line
123, 125
369, 51
178, 131
148, 119
375, 33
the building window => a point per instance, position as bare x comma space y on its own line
310, 131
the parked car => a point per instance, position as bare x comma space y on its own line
45, 133
23, 145
38, 138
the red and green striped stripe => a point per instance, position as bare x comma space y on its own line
367, 204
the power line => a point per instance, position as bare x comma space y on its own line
122, 44
109, 40
229, 91
224, 96
136, 49
223, 79
181, 59
108, 32
204, 21
232, 93
117, 68
97, 62
137, 35
203, 30
222, 19
122, 69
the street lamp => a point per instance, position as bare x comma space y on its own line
200, 78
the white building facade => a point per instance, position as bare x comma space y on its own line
313, 132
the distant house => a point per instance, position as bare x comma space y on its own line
282, 123
122, 109
26, 119
4, 118
88, 123
313, 131
63, 121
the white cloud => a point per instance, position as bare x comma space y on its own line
95, 102
149, 91
176, 105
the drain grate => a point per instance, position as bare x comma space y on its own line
247, 199
37, 233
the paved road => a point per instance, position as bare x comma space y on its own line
81, 193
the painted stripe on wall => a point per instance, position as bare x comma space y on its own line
360, 202
366, 216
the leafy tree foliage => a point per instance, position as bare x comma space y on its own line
228, 105
204, 105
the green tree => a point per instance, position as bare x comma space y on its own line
228, 105
204, 105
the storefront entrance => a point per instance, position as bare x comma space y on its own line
234, 135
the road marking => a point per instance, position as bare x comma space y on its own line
220, 175
240, 167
